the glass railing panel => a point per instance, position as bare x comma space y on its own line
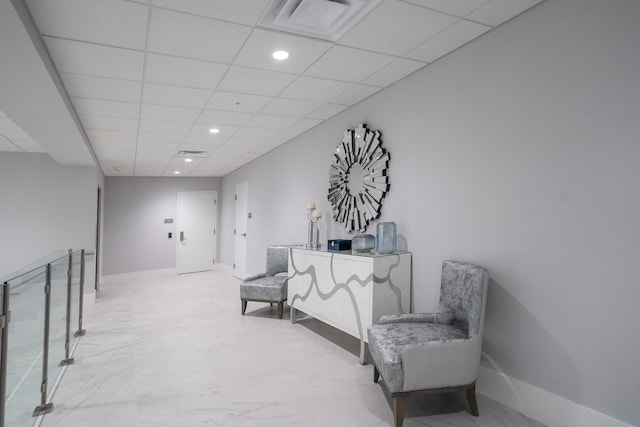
58, 321
75, 296
25, 346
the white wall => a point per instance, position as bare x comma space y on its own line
45, 208
135, 235
518, 152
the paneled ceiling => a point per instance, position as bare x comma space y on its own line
149, 79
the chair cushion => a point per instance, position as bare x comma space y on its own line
387, 342
269, 288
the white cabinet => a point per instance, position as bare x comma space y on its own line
348, 292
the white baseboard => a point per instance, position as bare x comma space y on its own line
541, 405
147, 274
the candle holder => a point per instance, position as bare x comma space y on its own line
316, 215
310, 227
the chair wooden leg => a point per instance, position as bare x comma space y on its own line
473, 403
244, 306
376, 374
398, 411
280, 309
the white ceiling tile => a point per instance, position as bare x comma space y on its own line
155, 155
453, 37
355, 94
262, 148
95, 60
245, 12
305, 124
271, 122
109, 138
241, 102
174, 114
257, 134
255, 82
257, 51
285, 135
459, 8
164, 126
393, 72
115, 23
183, 71
405, 27
496, 12
102, 122
216, 117
151, 171
78, 85
159, 138
326, 111
192, 36
232, 151
175, 95
314, 89
348, 64
200, 133
102, 107
290, 107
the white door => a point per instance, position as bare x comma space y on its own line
240, 231
196, 242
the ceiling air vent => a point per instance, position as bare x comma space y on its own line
323, 19
188, 153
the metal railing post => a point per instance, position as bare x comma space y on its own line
45, 407
4, 323
80, 332
67, 339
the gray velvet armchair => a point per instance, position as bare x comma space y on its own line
434, 352
268, 287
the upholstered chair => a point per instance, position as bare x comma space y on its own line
268, 286
434, 352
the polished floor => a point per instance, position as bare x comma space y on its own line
167, 350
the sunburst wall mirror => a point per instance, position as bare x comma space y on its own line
358, 179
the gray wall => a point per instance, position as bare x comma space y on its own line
519, 152
45, 208
135, 235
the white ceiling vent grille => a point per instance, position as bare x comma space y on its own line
190, 153
324, 19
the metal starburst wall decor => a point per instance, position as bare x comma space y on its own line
358, 178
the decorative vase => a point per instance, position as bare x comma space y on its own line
363, 243
386, 243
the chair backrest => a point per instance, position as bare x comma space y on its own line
277, 260
463, 294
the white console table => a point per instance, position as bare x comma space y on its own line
348, 292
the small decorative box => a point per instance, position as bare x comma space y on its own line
339, 245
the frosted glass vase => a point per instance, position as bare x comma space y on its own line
386, 241
363, 243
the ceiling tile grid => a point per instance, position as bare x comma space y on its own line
150, 79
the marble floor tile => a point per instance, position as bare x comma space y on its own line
175, 351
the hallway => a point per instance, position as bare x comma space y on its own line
165, 350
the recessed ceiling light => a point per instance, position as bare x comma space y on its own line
280, 55
214, 130
176, 172
188, 160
